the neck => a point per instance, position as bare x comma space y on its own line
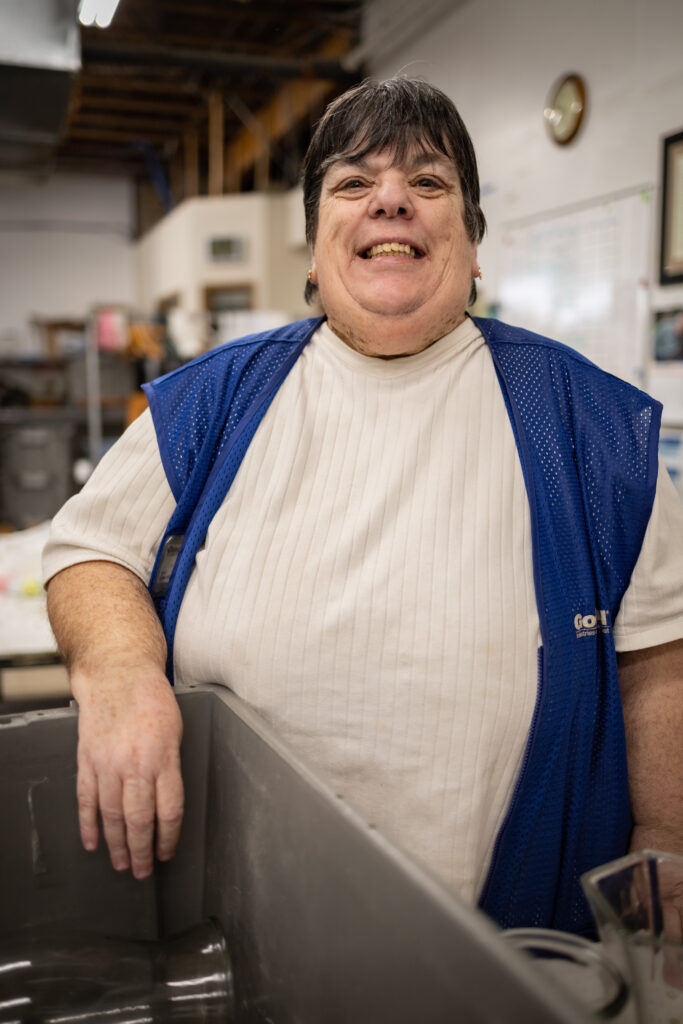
391, 337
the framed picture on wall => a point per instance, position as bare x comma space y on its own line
671, 235
668, 335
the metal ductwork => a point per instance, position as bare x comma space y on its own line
39, 58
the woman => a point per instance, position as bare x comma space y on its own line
418, 539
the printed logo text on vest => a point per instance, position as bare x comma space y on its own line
589, 625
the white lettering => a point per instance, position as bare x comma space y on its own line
600, 620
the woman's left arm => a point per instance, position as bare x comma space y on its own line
652, 696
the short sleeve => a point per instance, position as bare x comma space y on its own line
651, 612
121, 513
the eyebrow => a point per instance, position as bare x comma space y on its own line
417, 161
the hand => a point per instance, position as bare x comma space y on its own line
129, 735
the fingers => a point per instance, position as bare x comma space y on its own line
113, 824
141, 799
169, 794
138, 812
86, 791
129, 737
129, 813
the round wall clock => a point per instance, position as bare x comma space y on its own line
565, 108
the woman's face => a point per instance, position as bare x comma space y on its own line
392, 259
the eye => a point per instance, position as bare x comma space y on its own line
427, 182
351, 185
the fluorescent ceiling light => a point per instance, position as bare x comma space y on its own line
97, 12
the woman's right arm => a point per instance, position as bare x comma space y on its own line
129, 727
101, 550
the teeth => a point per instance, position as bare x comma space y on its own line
377, 250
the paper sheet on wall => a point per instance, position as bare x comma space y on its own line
581, 276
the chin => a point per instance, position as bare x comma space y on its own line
391, 310
393, 303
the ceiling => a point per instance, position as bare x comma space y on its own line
186, 97
190, 93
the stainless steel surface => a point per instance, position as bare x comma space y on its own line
325, 921
52, 978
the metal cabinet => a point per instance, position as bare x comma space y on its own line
36, 458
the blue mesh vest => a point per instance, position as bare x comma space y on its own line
588, 448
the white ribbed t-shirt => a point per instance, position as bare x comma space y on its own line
367, 585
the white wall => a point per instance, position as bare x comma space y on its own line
497, 60
288, 256
173, 258
65, 244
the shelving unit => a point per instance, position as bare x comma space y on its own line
57, 408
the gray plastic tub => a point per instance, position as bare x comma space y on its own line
325, 921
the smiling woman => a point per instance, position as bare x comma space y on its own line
392, 257
396, 115
385, 557
391, 194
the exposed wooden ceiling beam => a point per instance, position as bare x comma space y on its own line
280, 50
135, 103
190, 164
219, 61
216, 147
207, 41
341, 14
151, 125
135, 83
113, 135
293, 101
113, 164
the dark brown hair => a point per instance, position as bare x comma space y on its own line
396, 115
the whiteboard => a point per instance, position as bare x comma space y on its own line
581, 276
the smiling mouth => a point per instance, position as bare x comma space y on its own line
392, 249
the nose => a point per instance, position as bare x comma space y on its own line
391, 198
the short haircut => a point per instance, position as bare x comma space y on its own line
396, 114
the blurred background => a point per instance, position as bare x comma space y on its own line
150, 206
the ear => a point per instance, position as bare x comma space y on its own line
313, 273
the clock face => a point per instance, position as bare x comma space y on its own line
565, 108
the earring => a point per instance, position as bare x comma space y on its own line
309, 275
479, 273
